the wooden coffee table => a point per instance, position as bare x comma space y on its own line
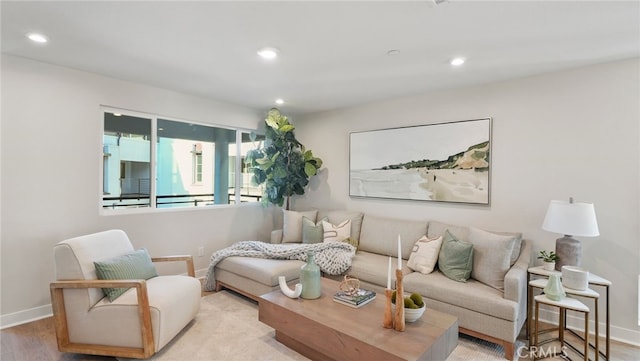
322, 329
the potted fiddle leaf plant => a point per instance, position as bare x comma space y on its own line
549, 259
281, 163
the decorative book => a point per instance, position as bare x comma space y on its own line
355, 299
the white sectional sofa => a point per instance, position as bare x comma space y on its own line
493, 309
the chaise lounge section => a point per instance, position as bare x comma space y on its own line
490, 305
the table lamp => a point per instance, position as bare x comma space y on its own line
571, 219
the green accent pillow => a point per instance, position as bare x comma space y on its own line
456, 258
132, 266
312, 232
352, 241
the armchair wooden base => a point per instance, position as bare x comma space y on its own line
60, 315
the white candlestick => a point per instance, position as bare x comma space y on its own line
389, 275
399, 254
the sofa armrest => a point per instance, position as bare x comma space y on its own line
515, 281
276, 236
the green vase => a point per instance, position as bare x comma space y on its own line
310, 279
554, 289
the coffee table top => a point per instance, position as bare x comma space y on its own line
365, 323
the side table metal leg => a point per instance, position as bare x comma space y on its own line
561, 325
529, 306
535, 333
597, 332
586, 336
608, 326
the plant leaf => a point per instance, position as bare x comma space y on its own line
309, 169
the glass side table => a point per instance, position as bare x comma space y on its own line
593, 280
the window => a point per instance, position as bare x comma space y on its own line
193, 165
197, 163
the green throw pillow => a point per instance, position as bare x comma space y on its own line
312, 232
456, 258
352, 241
136, 265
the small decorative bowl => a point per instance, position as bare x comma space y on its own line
411, 314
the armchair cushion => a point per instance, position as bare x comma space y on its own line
136, 265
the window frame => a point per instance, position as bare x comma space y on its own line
153, 207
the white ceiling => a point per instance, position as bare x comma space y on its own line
332, 54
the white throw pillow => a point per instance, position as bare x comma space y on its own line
491, 257
424, 255
292, 225
337, 233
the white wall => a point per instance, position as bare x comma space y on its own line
572, 133
51, 157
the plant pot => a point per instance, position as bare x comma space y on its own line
549, 266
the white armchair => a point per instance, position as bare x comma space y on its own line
138, 323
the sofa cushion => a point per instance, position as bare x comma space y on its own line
372, 268
262, 270
336, 233
472, 295
380, 234
456, 258
517, 245
491, 257
132, 266
437, 229
311, 231
292, 224
425, 253
339, 216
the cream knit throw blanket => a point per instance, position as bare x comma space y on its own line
333, 257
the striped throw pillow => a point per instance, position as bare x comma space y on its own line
136, 265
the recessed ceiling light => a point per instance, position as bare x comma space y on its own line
279, 101
268, 53
37, 38
457, 61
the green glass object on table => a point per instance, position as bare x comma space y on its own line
310, 279
554, 289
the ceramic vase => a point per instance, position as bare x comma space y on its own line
549, 266
310, 279
554, 289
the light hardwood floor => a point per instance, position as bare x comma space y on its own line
37, 341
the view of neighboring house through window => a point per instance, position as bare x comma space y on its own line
197, 163
194, 164
127, 161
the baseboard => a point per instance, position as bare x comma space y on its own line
20, 317
620, 334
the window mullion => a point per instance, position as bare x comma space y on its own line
238, 173
154, 172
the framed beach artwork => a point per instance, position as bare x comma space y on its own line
443, 162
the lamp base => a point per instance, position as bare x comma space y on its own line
569, 251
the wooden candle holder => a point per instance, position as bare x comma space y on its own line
398, 323
388, 316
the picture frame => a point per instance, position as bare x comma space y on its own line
440, 162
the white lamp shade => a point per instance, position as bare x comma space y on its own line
574, 219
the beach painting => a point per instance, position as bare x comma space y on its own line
443, 162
